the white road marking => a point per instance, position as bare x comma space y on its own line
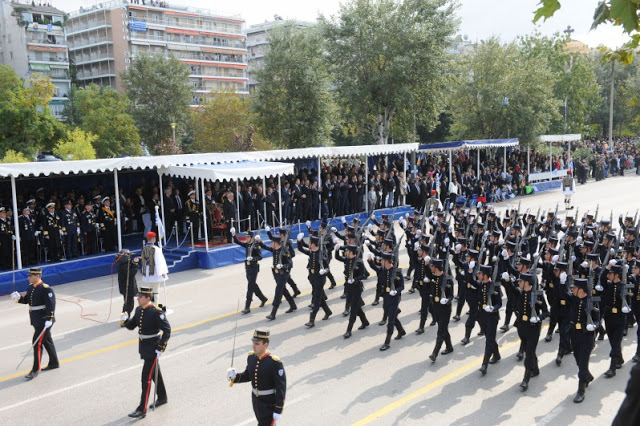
550, 416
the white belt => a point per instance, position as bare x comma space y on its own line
148, 336
36, 308
257, 392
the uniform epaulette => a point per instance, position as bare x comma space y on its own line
251, 353
157, 307
45, 285
275, 358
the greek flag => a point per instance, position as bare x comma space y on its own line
140, 26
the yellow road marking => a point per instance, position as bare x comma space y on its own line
441, 381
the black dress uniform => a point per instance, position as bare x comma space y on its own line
489, 295
317, 277
51, 229
354, 275
107, 219
281, 268
614, 317
441, 293
582, 338
153, 334
89, 231
6, 243
70, 225
268, 383
390, 301
253, 255
421, 280
28, 245
192, 214
528, 324
42, 306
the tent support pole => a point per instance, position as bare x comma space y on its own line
264, 194
450, 166
204, 217
238, 205
478, 164
320, 187
118, 211
280, 199
164, 219
550, 164
16, 225
529, 159
366, 183
504, 159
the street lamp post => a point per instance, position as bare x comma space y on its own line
173, 129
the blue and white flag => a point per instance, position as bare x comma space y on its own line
140, 26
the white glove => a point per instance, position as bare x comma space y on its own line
267, 228
124, 317
77, 230
444, 301
232, 230
350, 281
494, 259
370, 227
505, 276
447, 241
591, 327
504, 254
276, 416
479, 204
158, 353
258, 238
458, 247
425, 280
427, 259
231, 373
334, 229
535, 255
612, 262
343, 219
544, 213
322, 271
15, 296
599, 287
472, 264
500, 242
48, 324
462, 273
373, 217
450, 206
279, 266
589, 233
249, 258
579, 240
563, 277
335, 241
573, 258
416, 245
555, 258
367, 243
61, 232
488, 308
369, 256
403, 223
406, 215
543, 241
625, 309
36, 233
612, 251
508, 207
300, 236
534, 320
418, 233
584, 264
393, 293
308, 223
13, 237
620, 217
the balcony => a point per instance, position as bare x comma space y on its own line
136, 35
173, 23
89, 59
91, 42
75, 28
49, 60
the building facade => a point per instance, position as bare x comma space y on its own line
104, 39
32, 41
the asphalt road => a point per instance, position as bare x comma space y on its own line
330, 380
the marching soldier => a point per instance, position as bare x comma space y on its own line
528, 325
634, 280
317, 277
107, 219
282, 264
392, 281
28, 236
153, 335
614, 307
421, 279
268, 380
582, 333
253, 255
89, 228
52, 230
442, 293
6, 241
354, 274
127, 269
489, 303
561, 299
70, 228
42, 306
192, 213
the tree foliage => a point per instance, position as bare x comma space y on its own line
26, 123
160, 92
77, 145
225, 116
389, 60
104, 112
294, 106
11, 156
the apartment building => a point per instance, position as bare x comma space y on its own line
104, 39
32, 41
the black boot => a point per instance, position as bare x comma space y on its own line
365, 322
296, 290
467, 336
559, 357
420, 329
384, 320
435, 353
636, 357
612, 369
291, 309
263, 301
386, 342
525, 382
349, 328
483, 369
312, 320
272, 315
580, 395
401, 332
247, 305
548, 337
327, 314
449, 347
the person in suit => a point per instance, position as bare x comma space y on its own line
229, 212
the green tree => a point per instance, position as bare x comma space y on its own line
104, 112
26, 123
225, 116
294, 106
11, 156
77, 145
160, 92
389, 62
499, 93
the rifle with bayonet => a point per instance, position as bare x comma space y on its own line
536, 291
396, 250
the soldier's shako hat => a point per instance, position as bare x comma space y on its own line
553, 240
610, 236
351, 247
528, 278
443, 225
517, 227
524, 261
260, 334
561, 266
480, 225
313, 233
145, 291
384, 216
588, 244
628, 219
496, 233
275, 238
250, 234
314, 240
485, 269
634, 264
506, 219
580, 283
590, 216
438, 263
381, 233
424, 248
473, 253
356, 220
388, 241
324, 223
617, 269
440, 214
553, 251
388, 256
572, 233
605, 222
386, 223
462, 240
460, 231
631, 231
35, 271
593, 256
510, 245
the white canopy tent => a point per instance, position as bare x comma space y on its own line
556, 138
234, 171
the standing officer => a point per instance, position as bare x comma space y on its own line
70, 227
6, 237
27, 237
153, 334
51, 229
192, 213
267, 377
108, 219
42, 306
568, 189
253, 255
89, 229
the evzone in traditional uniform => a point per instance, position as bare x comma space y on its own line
154, 266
